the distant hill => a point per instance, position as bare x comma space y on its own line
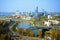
6, 13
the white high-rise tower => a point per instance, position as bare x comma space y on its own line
17, 13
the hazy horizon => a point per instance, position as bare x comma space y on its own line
29, 5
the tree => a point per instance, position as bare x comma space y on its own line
20, 31
14, 27
55, 34
29, 32
40, 33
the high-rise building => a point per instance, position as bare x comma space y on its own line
43, 12
36, 9
17, 13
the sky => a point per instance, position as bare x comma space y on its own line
29, 5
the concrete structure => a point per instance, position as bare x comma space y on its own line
47, 23
49, 16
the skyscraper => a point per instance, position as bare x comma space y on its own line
36, 9
17, 13
43, 12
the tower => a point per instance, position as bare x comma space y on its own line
17, 13
43, 12
36, 9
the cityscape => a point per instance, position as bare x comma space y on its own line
29, 25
